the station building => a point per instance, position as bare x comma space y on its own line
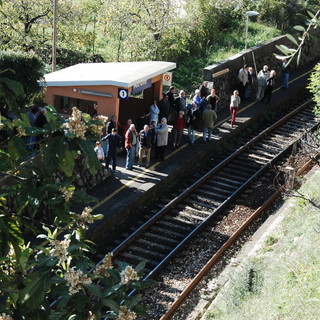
124, 89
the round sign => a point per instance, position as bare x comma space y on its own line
123, 94
167, 77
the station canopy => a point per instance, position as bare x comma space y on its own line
120, 74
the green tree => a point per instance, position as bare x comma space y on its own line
314, 87
45, 267
23, 23
26, 69
311, 22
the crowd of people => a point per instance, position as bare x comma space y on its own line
150, 131
264, 81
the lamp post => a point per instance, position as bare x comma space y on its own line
54, 40
249, 14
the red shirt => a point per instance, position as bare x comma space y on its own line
180, 123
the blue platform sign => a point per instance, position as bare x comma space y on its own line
123, 93
141, 86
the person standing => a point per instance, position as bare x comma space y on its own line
262, 77
171, 98
146, 139
142, 120
197, 99
234, 106
204, 90
162, 138
243, 80
178, 125
112, 123
209, 117
269, 86
41, 120
99, 151
152, 129
32, 115
250, 83
213, 99
285, 74
181, 103
192, 116
154, 112
114, 142
94, 111
164, 107
131, 137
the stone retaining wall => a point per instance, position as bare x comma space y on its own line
257, 56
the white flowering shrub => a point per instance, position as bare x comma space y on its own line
46, 266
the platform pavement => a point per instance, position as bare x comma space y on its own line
124, 191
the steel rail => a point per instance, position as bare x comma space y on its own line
220, 208
200, 181
185, 193
201, 274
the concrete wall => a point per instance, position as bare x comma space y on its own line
259, 55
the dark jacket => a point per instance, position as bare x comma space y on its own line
192, 116
270, 82
204, 91
165, 108
212, 100
114, 142
141, 122
146, 138
180, 104
110, 125
41, 120
170, 98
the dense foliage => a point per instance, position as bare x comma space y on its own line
131, 30
314, 87
46, 269
24, 68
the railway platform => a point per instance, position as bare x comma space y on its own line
121, 195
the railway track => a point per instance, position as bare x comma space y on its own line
166, 232
162, 236
208, 272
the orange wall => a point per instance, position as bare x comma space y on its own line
106, 106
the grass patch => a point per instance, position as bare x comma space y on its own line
189, 72
284, 283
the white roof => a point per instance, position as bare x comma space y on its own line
121, 74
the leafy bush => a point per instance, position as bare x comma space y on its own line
46, 269
27, 69
314, 87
